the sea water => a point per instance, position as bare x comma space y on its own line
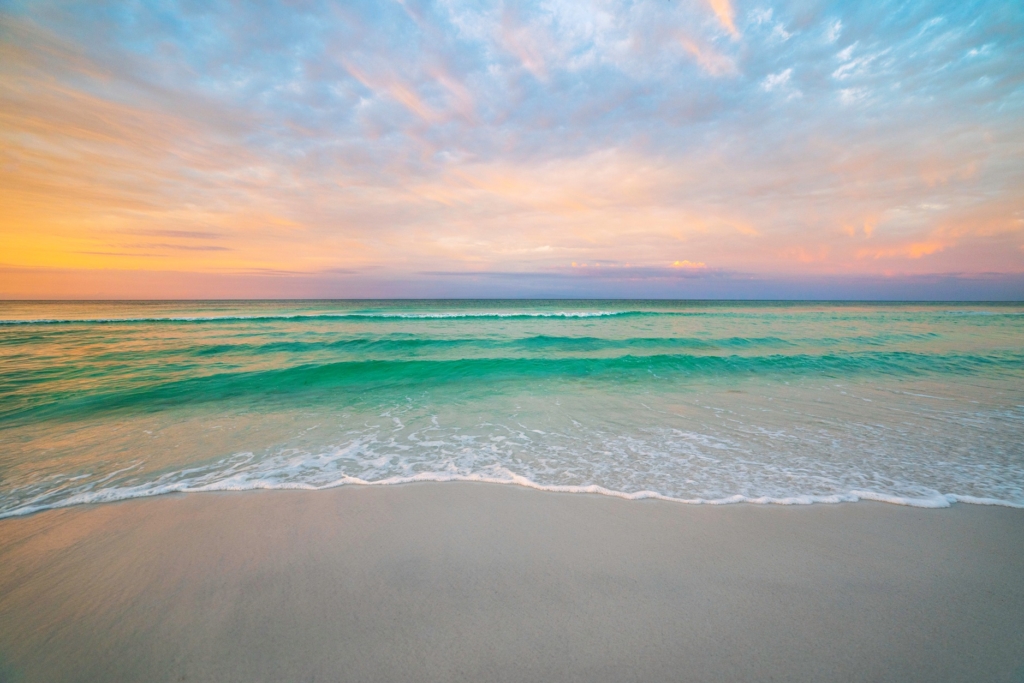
701, 402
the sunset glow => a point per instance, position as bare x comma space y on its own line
708, 148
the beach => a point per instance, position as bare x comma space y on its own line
439, 342
485, 582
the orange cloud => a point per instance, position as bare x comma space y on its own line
398, 91
461, 99
525, 43
913, 250
712, 62
723, 10
805, 254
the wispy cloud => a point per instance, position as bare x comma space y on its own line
723, 10
390, 139
711, 61
776, 81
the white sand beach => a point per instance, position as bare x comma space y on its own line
480, 582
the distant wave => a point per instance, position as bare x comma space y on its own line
414, 316
401, 343
543, 343
381, 344
348, 316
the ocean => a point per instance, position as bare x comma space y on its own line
696, 401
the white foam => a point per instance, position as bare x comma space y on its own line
688, 441
937, 500
354, 315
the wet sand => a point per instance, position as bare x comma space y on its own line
479, 582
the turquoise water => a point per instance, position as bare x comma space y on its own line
920, 404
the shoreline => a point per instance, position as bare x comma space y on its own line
476, 581
938, 501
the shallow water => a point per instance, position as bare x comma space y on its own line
697, 401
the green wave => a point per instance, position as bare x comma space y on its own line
357, 378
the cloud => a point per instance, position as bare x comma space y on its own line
776, 81
764, 17
398, 91
388, 140
723, 10
913, 250
834, 30
855, 67
712, 62
528, 43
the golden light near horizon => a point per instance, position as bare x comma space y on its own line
347, 147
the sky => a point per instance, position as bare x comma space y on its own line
584, 148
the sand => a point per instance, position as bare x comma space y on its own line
479, 582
